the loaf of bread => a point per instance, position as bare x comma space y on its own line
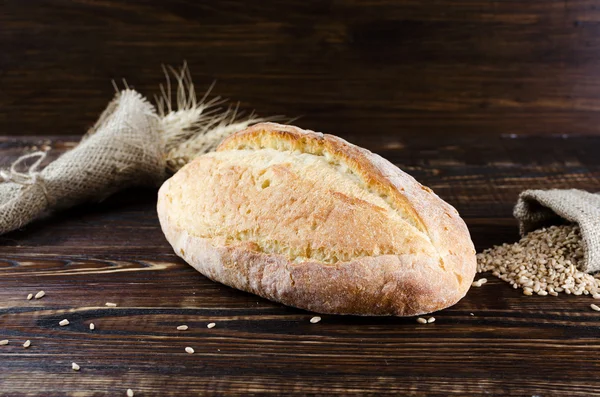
312, 221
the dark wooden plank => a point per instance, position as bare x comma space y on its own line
350, 67
114, 251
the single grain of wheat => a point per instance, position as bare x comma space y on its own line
40, 295
479, 282
64, 322
182, 328
315, 319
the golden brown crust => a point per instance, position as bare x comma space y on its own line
429, 271
289, 137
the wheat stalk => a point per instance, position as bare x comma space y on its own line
190, 126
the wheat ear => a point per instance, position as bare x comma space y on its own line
190, 126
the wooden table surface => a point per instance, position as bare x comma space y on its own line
494, 341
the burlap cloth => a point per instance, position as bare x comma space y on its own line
122, 149
542, 208
132, 144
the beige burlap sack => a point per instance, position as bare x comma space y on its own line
122, 149
132, 144
541, 208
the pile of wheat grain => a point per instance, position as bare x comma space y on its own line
543, 262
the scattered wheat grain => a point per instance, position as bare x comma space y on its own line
129, 393
211, 325
27, 344
479, 282
3, 342
40, 295
182, 328
64, 322
189, 350
110, 304
315, 319
421, 320
75, 366
430, 320
29, 297
92, 326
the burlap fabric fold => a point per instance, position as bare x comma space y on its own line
132, 144
541, 208
123, 149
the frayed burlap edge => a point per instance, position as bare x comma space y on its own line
542, 208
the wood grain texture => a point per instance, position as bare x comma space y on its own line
114, 251
349, 67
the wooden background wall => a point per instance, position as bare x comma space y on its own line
421, 68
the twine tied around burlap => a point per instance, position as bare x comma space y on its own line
542, 208
131, 144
